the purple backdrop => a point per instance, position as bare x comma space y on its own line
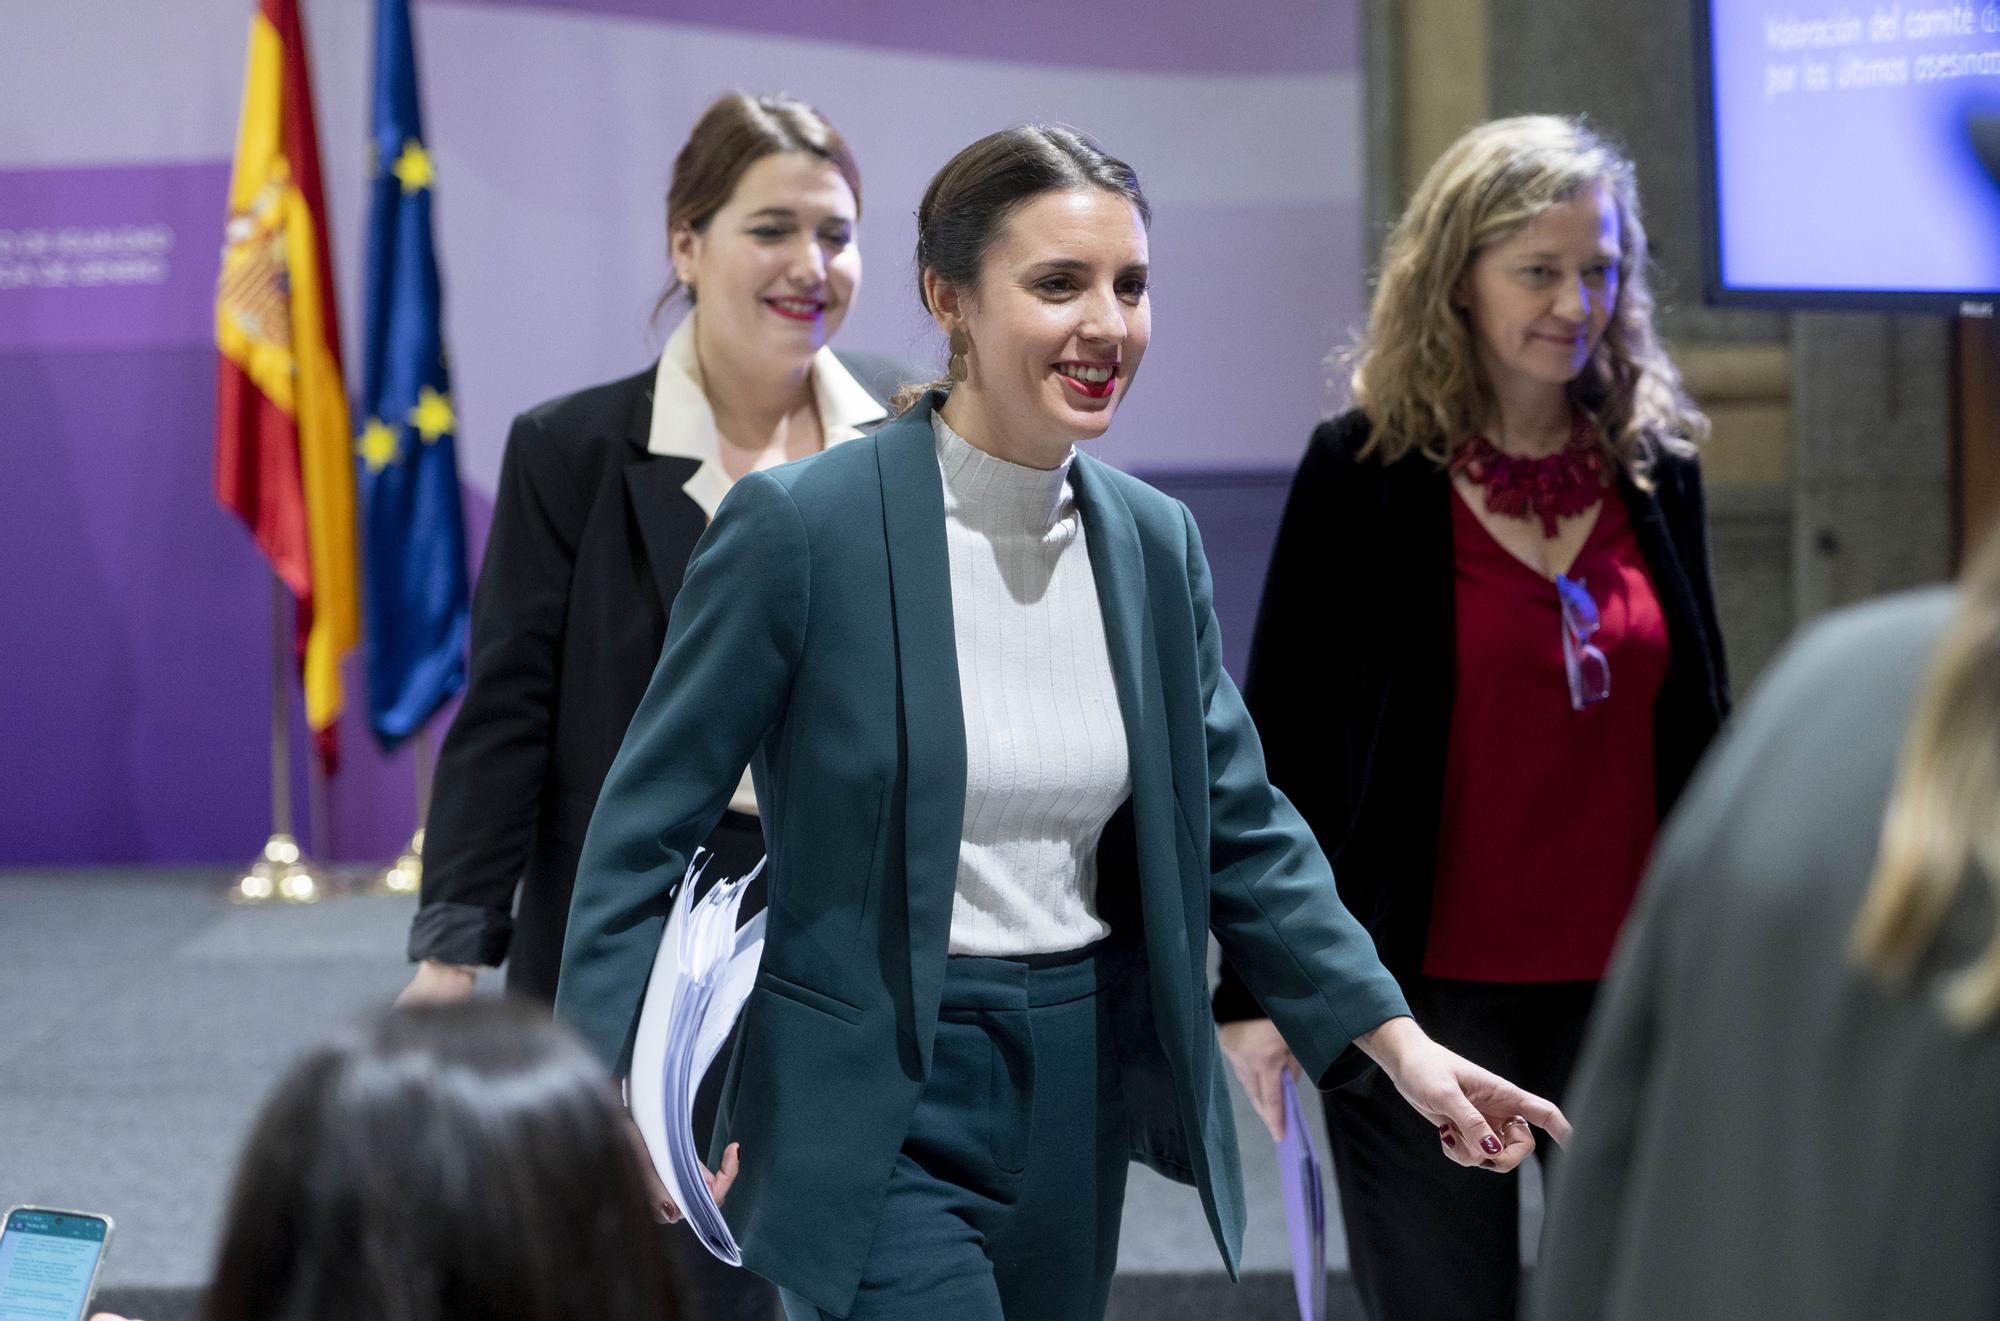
1199, 35
134, 720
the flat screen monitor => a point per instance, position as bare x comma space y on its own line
1852, 153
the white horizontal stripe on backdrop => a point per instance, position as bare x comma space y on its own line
554, 133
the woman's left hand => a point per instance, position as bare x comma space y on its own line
663, 1207
1481, 1118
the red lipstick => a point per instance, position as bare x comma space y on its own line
1090, 389
792, 313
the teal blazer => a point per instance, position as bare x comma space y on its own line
812, 639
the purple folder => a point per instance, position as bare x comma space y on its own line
1305, 1206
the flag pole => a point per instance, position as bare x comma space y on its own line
319, 817
281, 724
280, 871
406, 874
407, 485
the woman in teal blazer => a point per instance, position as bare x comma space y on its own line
814, 638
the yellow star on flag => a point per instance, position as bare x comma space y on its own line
432, 417
377, 444
414, 167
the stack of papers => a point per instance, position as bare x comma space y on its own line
1305, 1206
701, 977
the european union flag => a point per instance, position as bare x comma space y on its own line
413, 530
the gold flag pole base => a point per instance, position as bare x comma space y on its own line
406, 874
280, 875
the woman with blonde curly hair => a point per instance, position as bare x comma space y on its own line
1505, 541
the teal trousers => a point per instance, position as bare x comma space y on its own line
1005, 1201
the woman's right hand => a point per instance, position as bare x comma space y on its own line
439, 984
1260, 1057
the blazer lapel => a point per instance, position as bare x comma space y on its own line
1118, 568
1423, 658
933, 714
1663, 563
669, 521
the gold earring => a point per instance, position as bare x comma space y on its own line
961, 344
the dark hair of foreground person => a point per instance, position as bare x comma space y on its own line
441, 1163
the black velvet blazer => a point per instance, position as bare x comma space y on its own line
590, 538
1352, 664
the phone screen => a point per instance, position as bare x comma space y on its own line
47, 1262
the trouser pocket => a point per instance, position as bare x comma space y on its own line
1010, 1088
977, 1107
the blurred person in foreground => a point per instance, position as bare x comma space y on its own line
441, 1163
1785, 1107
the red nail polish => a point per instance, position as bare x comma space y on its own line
1449, 1140
1490, 1145
1443, 1129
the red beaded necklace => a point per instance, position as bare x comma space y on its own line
1560, 485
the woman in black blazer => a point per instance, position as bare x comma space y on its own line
1486, 661
602, 496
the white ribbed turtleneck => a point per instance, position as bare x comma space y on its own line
1046, 759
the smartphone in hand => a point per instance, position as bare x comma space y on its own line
49, 1261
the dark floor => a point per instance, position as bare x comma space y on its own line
142, 1018
1150, 1297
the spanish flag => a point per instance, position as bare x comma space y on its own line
282, 456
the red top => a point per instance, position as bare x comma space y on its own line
1549, 813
